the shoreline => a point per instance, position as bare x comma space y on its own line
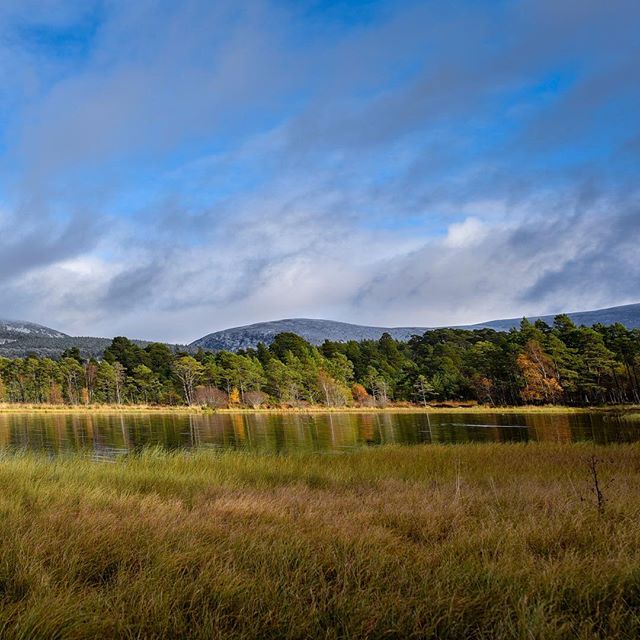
7, 408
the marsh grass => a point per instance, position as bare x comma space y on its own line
465, 541
631, 411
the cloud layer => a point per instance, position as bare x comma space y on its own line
169, 169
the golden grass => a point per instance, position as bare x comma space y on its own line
466, 541
10, 407
18, 407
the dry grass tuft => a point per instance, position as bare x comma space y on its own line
479, 541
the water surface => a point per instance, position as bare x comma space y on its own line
107, 435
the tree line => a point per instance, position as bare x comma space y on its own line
534, 364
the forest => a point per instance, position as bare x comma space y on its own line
535, 364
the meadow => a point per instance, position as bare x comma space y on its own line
439, 541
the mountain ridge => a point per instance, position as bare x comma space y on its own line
11, 330
317, 330
21, 338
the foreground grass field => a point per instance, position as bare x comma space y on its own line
465, 541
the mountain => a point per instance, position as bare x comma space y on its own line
21, 338
317, 331
11, 330
18, 339
314, 331
628, 315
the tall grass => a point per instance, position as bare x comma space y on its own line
467, 541
19, 407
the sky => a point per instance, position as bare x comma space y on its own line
171, 168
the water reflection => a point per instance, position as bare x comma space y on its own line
106, 435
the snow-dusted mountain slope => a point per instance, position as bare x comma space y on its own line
317, 331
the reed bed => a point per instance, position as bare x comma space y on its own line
19, 407
462, 541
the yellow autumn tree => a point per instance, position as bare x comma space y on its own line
234, 396
359, 393
56, 395
538, 371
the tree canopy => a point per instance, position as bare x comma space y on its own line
536, 363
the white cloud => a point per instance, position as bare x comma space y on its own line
468, 233
206, 165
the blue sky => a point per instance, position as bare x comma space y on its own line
173, 168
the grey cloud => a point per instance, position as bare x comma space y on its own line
133, 287
608, 265
156, 80
560, 263
388, 127
22, 250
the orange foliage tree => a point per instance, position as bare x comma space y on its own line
360, 394
539, 373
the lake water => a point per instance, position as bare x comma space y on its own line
108, 435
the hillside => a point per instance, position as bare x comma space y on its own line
18, 339
21, 338
628, 315
317, 331
314, 331
11, 330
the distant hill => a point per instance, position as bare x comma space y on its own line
314, 331
15, 330
628, 315
18, 339
317, 331
54, 347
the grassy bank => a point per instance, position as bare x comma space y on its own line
482, 541
399, 408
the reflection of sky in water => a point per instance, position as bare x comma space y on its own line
107, 435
